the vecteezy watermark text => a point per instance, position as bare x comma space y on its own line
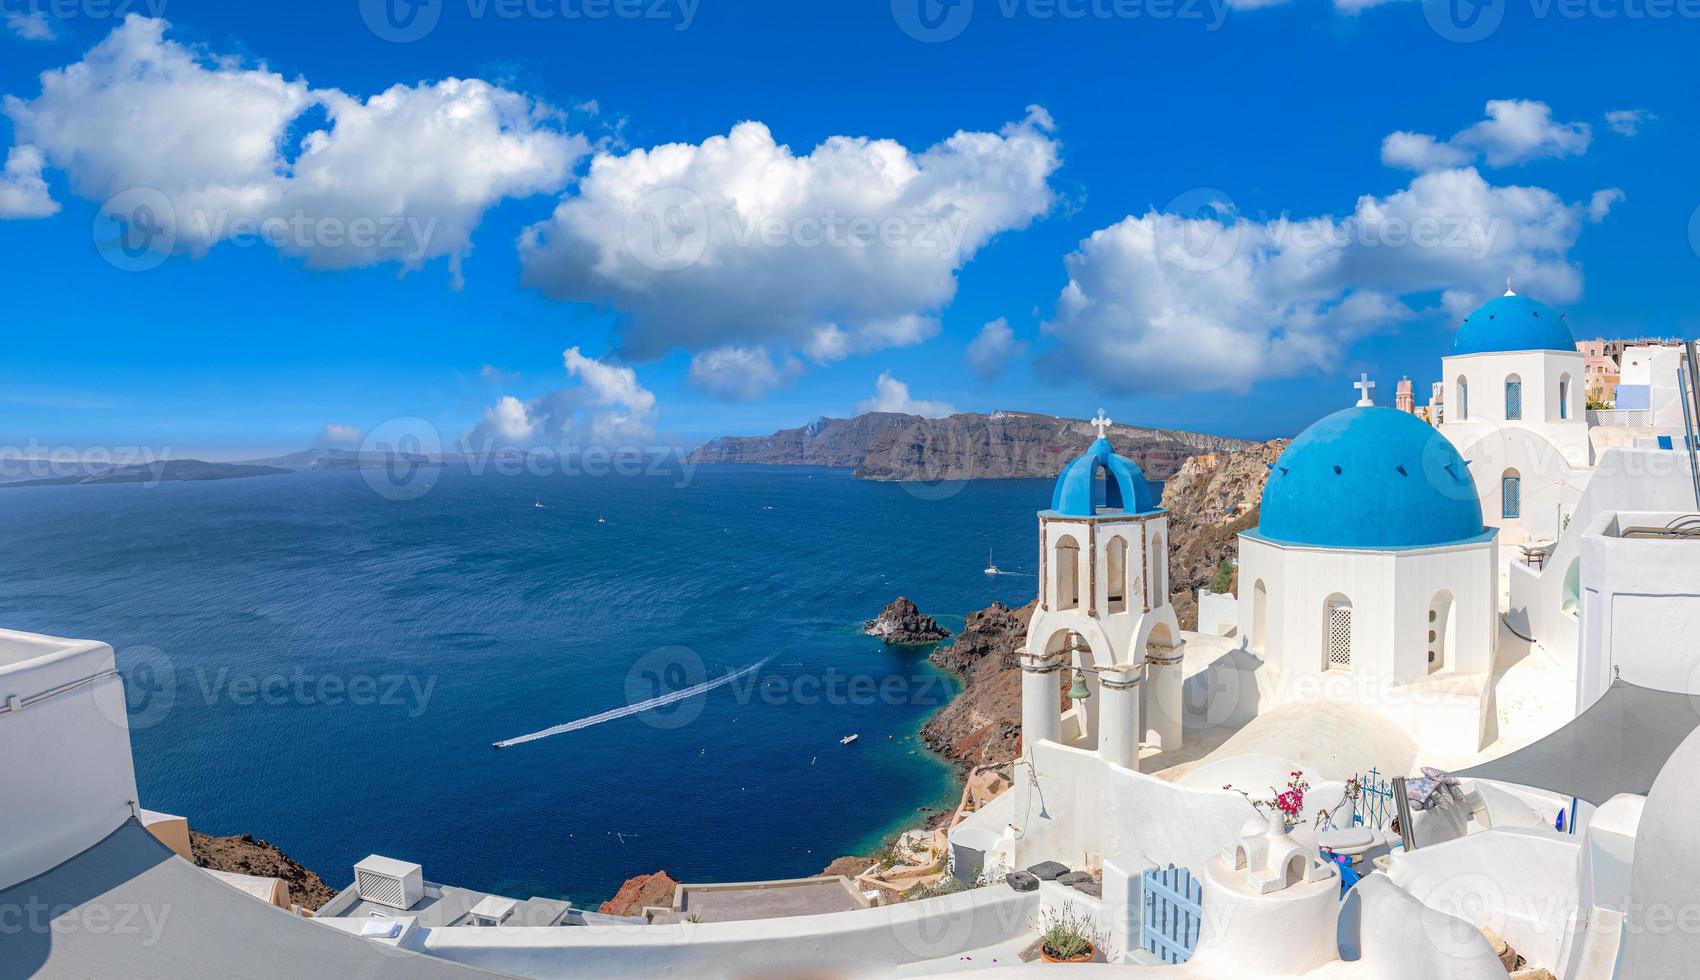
86, 9
936, 21
402, 21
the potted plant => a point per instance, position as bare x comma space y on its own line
1065, 937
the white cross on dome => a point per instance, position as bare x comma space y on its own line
1364, 386
1103, 424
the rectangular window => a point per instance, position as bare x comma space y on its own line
1514, 400
1511, 490
1564, 399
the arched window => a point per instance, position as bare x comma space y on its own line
1572, 598
1159, 572
1116, 561
1337, 633
1463, 398
1441, 632
1513, 398
1511, 495
1260, 617
1563, 396
1065, 560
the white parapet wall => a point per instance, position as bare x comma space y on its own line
1521, 883
1545, 602
1218, 613
1640, 607
868, 943
1080, 810
64, 751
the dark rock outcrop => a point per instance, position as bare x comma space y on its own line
982, 725
849, 867
640, 892
967, 446
901, 623
247, 855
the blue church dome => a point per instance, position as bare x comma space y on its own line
1081, 493
1370, 478
1513, 323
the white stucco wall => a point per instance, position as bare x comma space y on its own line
1218, 613
871, 943
1661, 938
1085, 810
1520, 883
64, 757
1640, 608
1626, 479
1391, 592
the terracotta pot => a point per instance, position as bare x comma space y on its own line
1086, 957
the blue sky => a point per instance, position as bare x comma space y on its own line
1093, 149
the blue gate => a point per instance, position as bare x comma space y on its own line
1174, 908
1374, 806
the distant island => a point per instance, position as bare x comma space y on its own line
158, 471
966, 446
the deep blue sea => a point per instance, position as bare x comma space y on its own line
325, 667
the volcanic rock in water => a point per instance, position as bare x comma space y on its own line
901, 622
640, 892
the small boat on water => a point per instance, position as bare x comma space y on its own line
846, 740
538, 505
600, 519
992, 566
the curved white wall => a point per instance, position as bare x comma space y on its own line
65, 756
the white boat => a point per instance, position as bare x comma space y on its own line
846, 740
991, 566
538, 505
600, 519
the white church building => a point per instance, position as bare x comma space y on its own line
1515, 407
1371, 575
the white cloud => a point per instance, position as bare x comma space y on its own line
1515, 131
403, 177
607, 407
1420, 151
1600, 204
892, 395
1170, 303
496, 375
990, 352
23, 192
339, 436
32, 26
740, 373
739, 241
437, 155
1627, 122
510, 421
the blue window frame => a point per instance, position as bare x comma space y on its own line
1511, 494
1514, 400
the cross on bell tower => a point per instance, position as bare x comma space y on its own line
1364, 386
1102, 423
